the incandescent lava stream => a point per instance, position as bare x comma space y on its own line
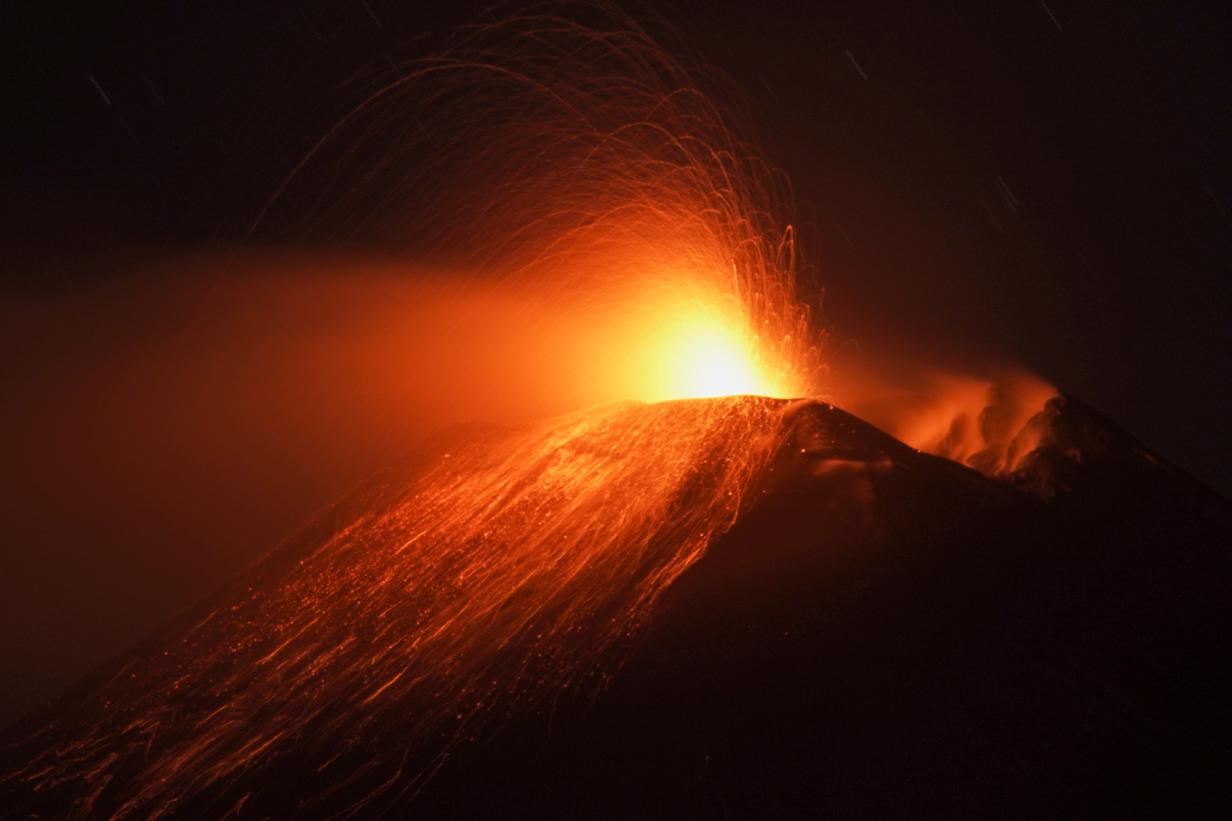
530, 623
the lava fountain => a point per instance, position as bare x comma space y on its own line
578, 163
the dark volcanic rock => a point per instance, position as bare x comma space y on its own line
889, 634
885, 633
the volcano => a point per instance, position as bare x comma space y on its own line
870, 631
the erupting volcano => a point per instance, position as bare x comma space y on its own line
712, 592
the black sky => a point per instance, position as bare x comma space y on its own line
1048, 182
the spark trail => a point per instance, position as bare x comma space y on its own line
508, 569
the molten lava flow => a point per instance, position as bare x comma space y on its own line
507, 569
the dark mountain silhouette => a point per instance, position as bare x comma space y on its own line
882, 633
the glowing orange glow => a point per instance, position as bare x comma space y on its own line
704, 356
987, 422
696, 349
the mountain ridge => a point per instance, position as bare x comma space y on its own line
880, 631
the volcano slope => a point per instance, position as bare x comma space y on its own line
880, 632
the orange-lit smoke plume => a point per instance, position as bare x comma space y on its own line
977, 411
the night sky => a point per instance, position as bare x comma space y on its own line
1047, 183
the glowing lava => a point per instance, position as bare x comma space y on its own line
700, 349
704, 358
429, 607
